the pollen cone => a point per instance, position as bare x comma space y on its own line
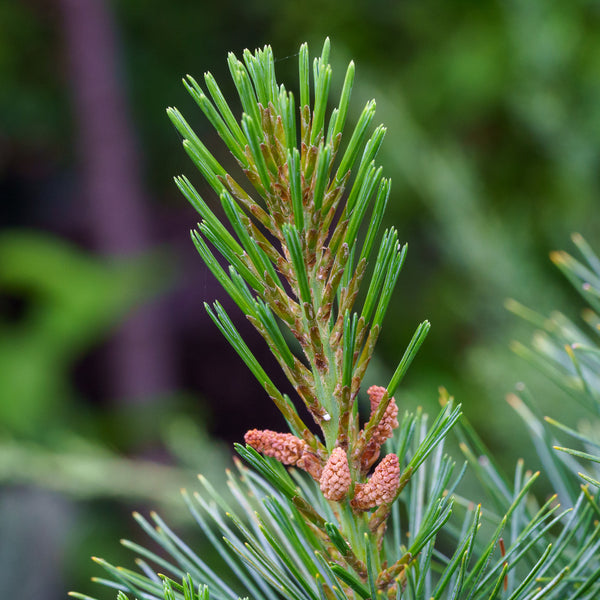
285, 447
381, 487
384, 429
335, 479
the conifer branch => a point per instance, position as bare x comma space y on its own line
330, 510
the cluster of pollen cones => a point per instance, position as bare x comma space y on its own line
334, 474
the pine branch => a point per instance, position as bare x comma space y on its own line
332, 510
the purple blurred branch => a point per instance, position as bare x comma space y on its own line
111, 186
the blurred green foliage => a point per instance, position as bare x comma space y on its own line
65, 303
59, 303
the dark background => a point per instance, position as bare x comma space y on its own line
115, 387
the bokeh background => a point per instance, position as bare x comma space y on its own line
115, 388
